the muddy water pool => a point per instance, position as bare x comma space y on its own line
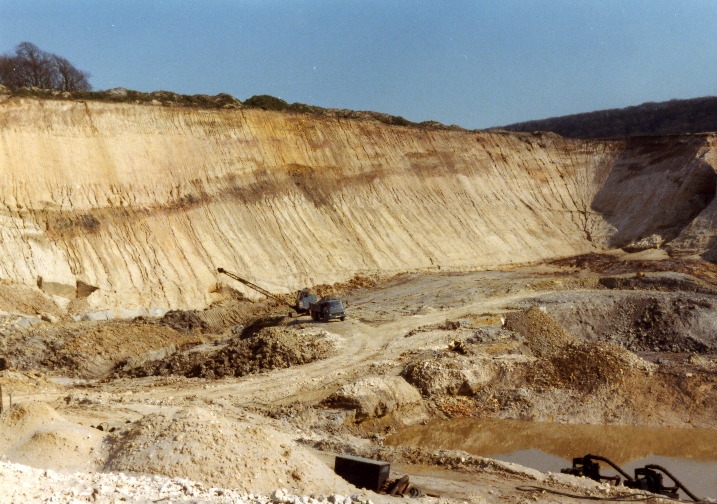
689, 454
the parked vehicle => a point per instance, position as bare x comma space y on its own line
306, 303
327, 308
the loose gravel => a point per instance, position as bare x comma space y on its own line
21, 484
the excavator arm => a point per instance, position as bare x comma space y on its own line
255, 287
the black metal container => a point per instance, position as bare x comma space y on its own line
362, 472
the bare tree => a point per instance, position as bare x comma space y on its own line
70, 78
7, 71
12, 72
36, 65
32, 67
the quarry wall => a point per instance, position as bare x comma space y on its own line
132, 206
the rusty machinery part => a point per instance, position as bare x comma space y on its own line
646, 478
399, 486
416, 493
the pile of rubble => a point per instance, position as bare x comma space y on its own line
19, 484
270, 348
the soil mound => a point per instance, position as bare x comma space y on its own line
607, 264
25, 383
355, 283
271, 348
667, 282
233, 310
34, 434
586, 367
19, 298
184, 321
449, 373
374, 396
25, 417
675, 322
543, 335
19, 483
200, 445
657, 327
254, 326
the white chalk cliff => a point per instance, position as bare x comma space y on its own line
143, 203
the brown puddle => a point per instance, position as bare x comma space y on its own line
690, 454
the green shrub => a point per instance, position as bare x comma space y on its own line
302, 108
266, 102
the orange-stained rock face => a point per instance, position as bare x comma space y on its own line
146, 202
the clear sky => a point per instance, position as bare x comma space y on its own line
473, 63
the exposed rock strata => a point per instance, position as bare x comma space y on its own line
144, 203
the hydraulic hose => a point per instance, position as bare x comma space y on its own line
677, 482
612, 464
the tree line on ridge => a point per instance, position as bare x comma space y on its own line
31, 67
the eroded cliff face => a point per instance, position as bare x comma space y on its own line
144, 203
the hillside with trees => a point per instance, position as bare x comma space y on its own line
696, 115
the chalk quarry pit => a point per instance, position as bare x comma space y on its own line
488, 275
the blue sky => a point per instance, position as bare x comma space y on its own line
473, 63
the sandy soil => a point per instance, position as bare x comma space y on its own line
266, 403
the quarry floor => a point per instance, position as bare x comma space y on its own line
604, 338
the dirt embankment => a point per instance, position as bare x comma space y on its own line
640, 321
92, 349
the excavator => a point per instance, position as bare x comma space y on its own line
325, 309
